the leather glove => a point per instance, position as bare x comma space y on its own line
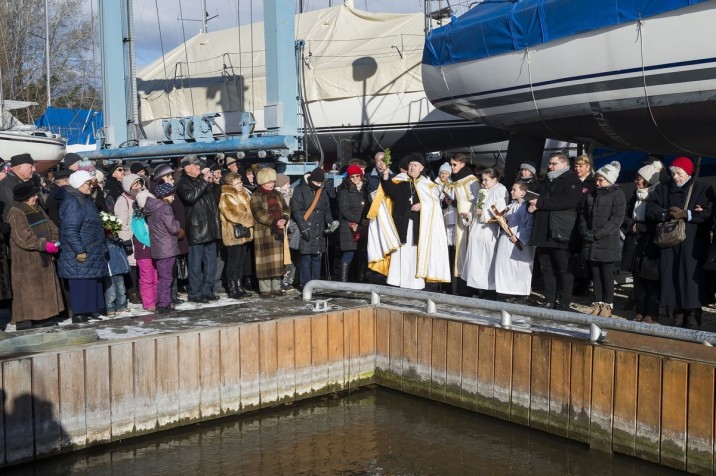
333, 226
588, 237
306, 235
81, 258
51, 247
676, 212
180, 233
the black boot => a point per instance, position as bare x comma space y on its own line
344, 272
240, 291
231, 289
693, 319
247, 284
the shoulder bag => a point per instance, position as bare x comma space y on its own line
240, 231
673, 232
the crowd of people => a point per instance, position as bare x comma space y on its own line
91, 241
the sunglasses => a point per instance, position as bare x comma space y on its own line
121, 169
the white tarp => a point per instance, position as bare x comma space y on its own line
348, 53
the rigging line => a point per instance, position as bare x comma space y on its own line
534, 98
186, 56
253, 88
640, 33
309, 129
164, 60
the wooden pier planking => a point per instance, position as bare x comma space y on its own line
656, 407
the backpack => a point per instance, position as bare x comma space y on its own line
140, 229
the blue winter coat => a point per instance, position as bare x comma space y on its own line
81, 232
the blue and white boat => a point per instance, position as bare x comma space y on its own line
627, 74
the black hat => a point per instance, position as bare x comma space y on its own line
318, 175
112, 167
24, 191
413, 157
21, 159
136, 167
70, 159
63, 174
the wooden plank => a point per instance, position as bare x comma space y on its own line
625, 406
303, 377
700, 425
268, 363
367, 361
673, 413
503, 373
336, 352
602, 398
72, 399
286, 360
409, 376
454, 350
647, 444
189, 377
559, 386
145, 385
210, 372
351, 339
17, 386
539, 383
250, 382
167, 349
423, 367
438, 378
580, 391
395, 349
319, 354
521, 378
99, 414
486, 370
468, 386
382, 343
121, 389
46, 411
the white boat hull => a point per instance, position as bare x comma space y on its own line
46, 151
648, 86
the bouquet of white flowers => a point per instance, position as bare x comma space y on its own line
110, 222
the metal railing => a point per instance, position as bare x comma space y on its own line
594, 323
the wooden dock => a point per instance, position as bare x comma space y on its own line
634, 395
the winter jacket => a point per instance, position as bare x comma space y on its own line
602, 215
353, 206
53, 202
235, 208
163, 229
201, 209
114, 188
6, 186
81, 232
124, 210
317, 221
556, 214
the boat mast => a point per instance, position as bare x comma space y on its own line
47, 54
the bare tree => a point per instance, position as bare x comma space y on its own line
73, 63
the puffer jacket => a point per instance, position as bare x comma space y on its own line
318, 220
201, 208
353, 206
81, 232
603, 215
163, 229
235, 208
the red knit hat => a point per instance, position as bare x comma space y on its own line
685, 164
354, 170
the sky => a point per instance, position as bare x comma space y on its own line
148, 23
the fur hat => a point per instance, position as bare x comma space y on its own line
445, 168
266, 175
164, 190
24, 191
79, 177
281, 180
684, 163
128, 180
317, 175
142, 197
610, 172
652, 172
20, 159
70, 159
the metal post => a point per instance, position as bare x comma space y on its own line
47, 53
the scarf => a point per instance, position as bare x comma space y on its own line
38, 226
556, 173
639, 213
462, 173
273, 207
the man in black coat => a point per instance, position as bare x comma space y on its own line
198, 190
555, 217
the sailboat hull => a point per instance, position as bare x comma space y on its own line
46, 151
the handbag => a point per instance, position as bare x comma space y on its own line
670, 233
649, 268
240, 231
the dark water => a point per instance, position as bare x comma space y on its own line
374, 431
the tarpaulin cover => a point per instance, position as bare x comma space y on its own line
77, 126
495, 27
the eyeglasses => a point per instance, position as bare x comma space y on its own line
355, 176
454, 164
120, 169
554, 164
